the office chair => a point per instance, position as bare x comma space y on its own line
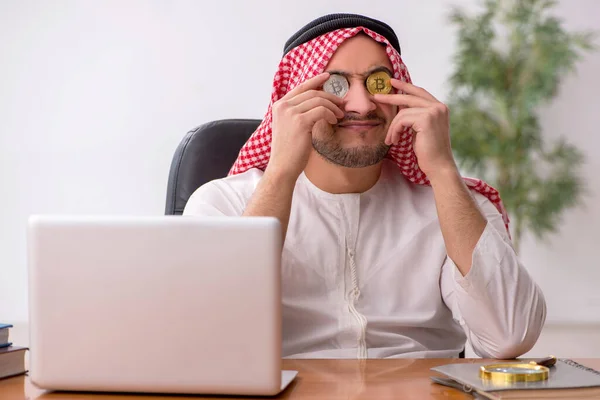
206, 153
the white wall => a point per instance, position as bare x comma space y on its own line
95, 96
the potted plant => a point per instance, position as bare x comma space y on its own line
510, 60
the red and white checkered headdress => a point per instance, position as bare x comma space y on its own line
310, 59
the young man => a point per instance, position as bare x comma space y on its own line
388, 251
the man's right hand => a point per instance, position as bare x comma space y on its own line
294, 116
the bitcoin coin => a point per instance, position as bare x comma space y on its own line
379, 83
337, 85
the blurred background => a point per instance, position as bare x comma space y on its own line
95, 97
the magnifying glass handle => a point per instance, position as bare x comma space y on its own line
546, 361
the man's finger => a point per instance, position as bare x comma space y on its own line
407, 113
312, 93
409, 88
395, 133
320, 112
413, 112
318, 101
312, 83
398, 125
402, 100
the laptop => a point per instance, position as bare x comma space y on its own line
165, 304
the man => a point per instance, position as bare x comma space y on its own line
388, 251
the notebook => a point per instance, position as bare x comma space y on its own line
567, 379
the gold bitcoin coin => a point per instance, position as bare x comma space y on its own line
379, 83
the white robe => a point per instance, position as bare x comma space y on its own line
367, 275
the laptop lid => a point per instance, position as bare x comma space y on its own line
165, 304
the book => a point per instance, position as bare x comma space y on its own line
567, 379
12, 361
4, 333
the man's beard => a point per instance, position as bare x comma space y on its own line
329, 147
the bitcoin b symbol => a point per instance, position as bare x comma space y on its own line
379, 84
337, 88
336, 85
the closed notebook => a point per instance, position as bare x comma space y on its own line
567, 379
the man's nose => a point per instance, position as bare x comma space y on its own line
358, 99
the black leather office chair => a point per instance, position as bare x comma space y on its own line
204, 154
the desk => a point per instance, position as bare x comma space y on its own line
317, 379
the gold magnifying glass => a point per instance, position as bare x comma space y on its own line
507, 373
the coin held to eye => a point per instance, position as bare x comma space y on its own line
337, 85
379, 83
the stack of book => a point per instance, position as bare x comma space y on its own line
12, 358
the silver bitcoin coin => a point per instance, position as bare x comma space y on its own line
337, 85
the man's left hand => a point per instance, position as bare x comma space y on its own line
429, 120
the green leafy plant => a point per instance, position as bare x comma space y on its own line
510, 60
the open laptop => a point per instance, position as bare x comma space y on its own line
165, 304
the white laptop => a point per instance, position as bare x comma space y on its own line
165, 304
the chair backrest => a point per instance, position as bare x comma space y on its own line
204, 154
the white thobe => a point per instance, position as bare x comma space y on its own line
368, 276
